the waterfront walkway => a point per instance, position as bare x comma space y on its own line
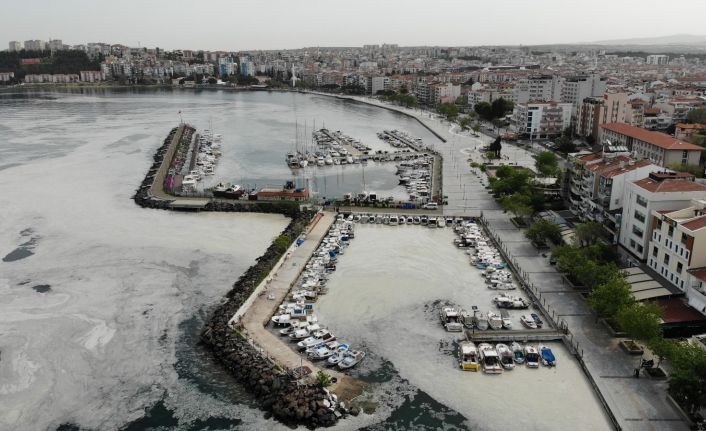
636, 404
258, 315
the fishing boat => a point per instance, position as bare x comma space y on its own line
440, 222
548, 358
481, 321
338, 355
319, 353
416, 220
505, 316
489, 359
494, 320
394, 220
351, 359
531, 356
536, 319
451, 319
317, 338
528, 321
518, 353
468, 358
282, 319
506, 357
467, 319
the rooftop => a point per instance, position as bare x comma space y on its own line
695, 224
618, 170
658, 139
670, 186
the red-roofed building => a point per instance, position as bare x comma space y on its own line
646, 198
684, 131
660, 148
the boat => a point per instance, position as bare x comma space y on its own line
528, 321
394, 220
518, 353
351, 359
451, 320
299, 334
505, 354
494, 320
318, 338
531, 356
481, 321
282, 319
319, 353
467, 319
536, 319
403, 220
468, 358
489, 359
505, 316
440, 222
548, 358
337, 356
416, 220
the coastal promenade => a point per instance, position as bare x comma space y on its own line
635, 404
281, 280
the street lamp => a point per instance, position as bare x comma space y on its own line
475, 310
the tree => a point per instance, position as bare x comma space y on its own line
484, 110
697, 116
688, 379
449, 110
696, 170
496, 147
546, 164
500, 107
588, 233
609, 297
464, 122
518, 205
476, 127
323, 380
543, 230
640, 321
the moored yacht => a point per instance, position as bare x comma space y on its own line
468, 358
518, 353
531, 356
489, 359
351, 359
451, 319
505, 354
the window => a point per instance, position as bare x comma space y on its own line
654, 251
639, 216
632, 243
670, 232
684, 238
666, 259
640, 249
641, 201
679, 267
637, 231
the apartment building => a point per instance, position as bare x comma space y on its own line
6, 76
378, 83
540, 119
635, 112
678, 243
657, 59
658, 192
15, 46
91, 76
35, 45
660, 148
594, 111
537, 87
575, 89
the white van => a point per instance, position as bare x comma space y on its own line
431, 206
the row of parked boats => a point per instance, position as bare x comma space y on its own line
397, 220
399, 139
416, 177
296, 317
208, 151
494, 359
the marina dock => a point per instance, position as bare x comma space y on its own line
520, 335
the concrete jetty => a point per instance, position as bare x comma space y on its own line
267, 299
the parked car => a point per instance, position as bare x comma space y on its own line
430, 206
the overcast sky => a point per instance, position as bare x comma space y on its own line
278, 24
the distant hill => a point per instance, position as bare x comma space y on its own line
675, 39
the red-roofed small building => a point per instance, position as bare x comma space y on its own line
684, 130
660, 148
648, 196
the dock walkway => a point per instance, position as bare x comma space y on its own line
264, 306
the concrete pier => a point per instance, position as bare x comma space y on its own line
270, 296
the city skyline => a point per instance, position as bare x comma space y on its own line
224, 26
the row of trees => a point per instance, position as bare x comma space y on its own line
65, 61
497, 109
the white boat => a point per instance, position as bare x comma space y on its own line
489, 359
505, 316
299, 334
394, 220
403, 220
531, 356
338, 355
440, 222
505, 354
416, 220
481, 321
320, 161
319, 353
282, 319
318, 338
468, 357
451, 320
494, 320
528, 321
518, 353
351, 359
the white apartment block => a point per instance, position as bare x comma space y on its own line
660, 148
91, 76
35, 45
15, 46
379, 83
678, 245
575, 89
658, 192
539, 87
657, 59
542, 119
6, 76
